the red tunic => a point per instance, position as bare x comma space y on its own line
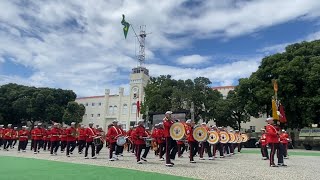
8, 133
140, 132
133, 137
1, 132
284, 138
63, 135
33, 135
48, 134
189, 133
82, 134
167, 125
55, 134
23, 135
112, 134
272, 136
44, 133
263, 139
160, 137
90, 134
71, 131
37, 134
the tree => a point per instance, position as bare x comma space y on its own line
297, 71
73, 113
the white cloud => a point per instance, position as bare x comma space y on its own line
79, 44
192, 59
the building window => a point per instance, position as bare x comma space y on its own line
86, 104
125, 109
98, 115
134, 108
115, 109
110, 109
100, 103
92, 104
91, 115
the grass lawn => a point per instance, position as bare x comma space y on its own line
290, 152
14, 168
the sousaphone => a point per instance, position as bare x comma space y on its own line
224, 137
244, 137
213, 137
200, 134
177, 131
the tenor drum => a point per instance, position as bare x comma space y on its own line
148, 142
121, 140
97, 141
244, 137
224, 137
233, 138
177, 131
200, 134
213, 137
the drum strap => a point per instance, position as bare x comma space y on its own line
116, 130
91, 131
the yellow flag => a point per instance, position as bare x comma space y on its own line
274, 110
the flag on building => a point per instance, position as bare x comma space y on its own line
126, 26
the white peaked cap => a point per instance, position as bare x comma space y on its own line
188, 121
269, 119
91, 123
169, 112
73, 123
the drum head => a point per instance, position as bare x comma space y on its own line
244, 138
177, 131
121, 141
232, 138
224, 137
200, 134
213, 137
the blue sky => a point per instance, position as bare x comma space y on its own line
80, 45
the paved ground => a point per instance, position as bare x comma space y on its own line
247, 165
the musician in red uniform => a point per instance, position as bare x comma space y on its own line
7, 137
263, 145
100, 133
154, 138
205, 145
181, 145
81, 139
273, 141
140, 142
122, 133
161, 141
284, 140
63, 138
90, 134
113, 133
15, 136
23, 139
171, 145
46, 139
1, 135
133, 139
33, 136
54, 139
129, 141
71, 138
192, 142
37, 138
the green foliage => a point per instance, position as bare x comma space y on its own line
73, 113
19, 103
297, 71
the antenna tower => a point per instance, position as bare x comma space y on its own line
142, 40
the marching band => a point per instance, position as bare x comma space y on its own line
166, 140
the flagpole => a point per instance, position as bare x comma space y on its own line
135, 33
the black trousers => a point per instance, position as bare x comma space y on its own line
171, 149
81, 145
139, 148
45, 144
264, 151
14, 142
99, 147
22, 145
162, 149
54, 146
1, 142
36, 145
32, 144
220, 148
7, 143
193, 150
112, 147
275, 147
63, 145
226, 148
93, 149
231, 147
146, 151
181, 149
71, 145
205, 145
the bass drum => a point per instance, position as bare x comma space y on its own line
121, 140
244, 138
233, 138
177, 131
224, 137
200, 134
213, 137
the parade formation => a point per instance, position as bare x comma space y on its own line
166, 139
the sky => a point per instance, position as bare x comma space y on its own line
79, 45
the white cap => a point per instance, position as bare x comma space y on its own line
73, 123
160, 123
82, 125
203, 123
91, 123
156, 125
56, 124
147, 128
35, 126
141, 120
9, 124
1, 125
15, 127
236, 130
135, 126
168, 112
262, 129
283, 130
269, 119
231, 130
188, 121
24, 126
39, 124
114, 121
131, 126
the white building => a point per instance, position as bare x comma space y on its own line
224, 90
102, 110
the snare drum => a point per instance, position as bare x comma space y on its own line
121, 140
97, 141
148, 141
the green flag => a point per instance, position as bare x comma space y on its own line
126, 26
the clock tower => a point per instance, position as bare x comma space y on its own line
139, 79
